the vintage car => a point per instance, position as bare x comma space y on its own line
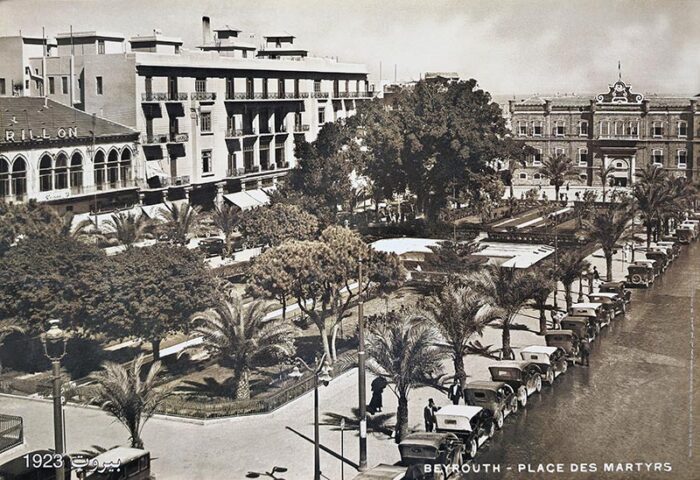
551, 360
419, 449
131, 463
693, 225
567, 341
212, 246
525, 378
582, 326
612, 302
673, 248
659, 256
498, 397
616, 287
473, 425
685, 234
32, 466
594, 310
641, 273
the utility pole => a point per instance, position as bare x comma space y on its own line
361, 374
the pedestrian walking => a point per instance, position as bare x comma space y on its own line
585, 352
596, 276
429, 415
455, 392
578, 196
376, 404
567, 186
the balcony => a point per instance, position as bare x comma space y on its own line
252, 169
203, 96
235, 172
363, 94
269, 167
234, 133
178, 138
298, 128
176, 97
619, 136
175, 181
154, 97
284, 165
248, 96
320, 95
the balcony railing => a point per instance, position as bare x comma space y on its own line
361, 94
284, 165
176, 97
154, 97
178, 138
301, 128
203, 96
320, 95
269, 167
620, 136
234, 133
252, 169
175, 181
155, 139
242, 96
235, 172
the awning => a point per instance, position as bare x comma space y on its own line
155, 169
100, 219
155, 211
248, 199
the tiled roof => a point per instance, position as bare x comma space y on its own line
17, 113
585, 100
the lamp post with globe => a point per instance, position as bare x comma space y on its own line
54, 341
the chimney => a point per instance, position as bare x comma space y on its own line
206, 30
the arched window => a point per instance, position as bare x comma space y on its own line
4, 178
60, 172
19, 177
45, 174
125, 167
76, 172
113, 169
100, 170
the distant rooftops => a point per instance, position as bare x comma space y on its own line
94, 34
155, 38
227, 28
279, 36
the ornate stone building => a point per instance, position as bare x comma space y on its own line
620, 128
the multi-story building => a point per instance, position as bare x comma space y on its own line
53, 153
618, 128
15, 52
218, 119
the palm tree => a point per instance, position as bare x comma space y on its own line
542, 284
569, 268
557, 169
241, 337
507, 289
651, 193
121, 392
606, 228
180, 221
584, 207
129, 228
458, 313
226, 219
603, 173
405, 354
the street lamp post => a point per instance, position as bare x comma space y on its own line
321, 371
362, 382
54, 341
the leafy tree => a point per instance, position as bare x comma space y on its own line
454, 258
226, 219
275, 224
129, 228
121, 392
7, 327
48, 276
607, 226
458, 314
507, 289
557, 169
180, 221
584, 207
570, 267
154, 291
404, 353
240, 337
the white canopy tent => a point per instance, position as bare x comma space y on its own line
248, 199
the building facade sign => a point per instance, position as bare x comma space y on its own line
29, 135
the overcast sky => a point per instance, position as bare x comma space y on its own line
537, 46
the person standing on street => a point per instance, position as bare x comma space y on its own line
429, 415
455, 392
585, 352
376, 404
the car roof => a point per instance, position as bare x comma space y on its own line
519, 364
539, 349
560, 332
617, 283
644, 261
459, 410
586, 305
576, 318
603, 294
485, 385
428, 439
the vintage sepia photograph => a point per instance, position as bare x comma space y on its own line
349, 240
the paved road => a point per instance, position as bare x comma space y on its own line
634, 404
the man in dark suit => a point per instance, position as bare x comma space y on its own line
455, 392
429, 415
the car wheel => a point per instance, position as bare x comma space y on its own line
538, 384
522, 396
549, 378
514, 405
498, 419
564, 367
492, 430
472, 448
597, 328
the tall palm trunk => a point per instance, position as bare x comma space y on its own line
460, 373
608, 265
556, 192
155, 348
648, 233
567, 296
401, 429
543, 319
505, 340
